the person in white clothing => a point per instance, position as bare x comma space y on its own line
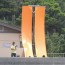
13, 50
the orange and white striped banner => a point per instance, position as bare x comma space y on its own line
40, 44
39, 31
27, 30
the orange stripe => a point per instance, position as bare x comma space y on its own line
40, 44
27, 30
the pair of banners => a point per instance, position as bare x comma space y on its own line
39, 30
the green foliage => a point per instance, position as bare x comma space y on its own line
55, 43
8, 8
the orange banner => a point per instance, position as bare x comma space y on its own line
40, 44
27, 30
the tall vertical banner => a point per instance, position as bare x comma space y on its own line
27, 30
40, 44
39, 30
